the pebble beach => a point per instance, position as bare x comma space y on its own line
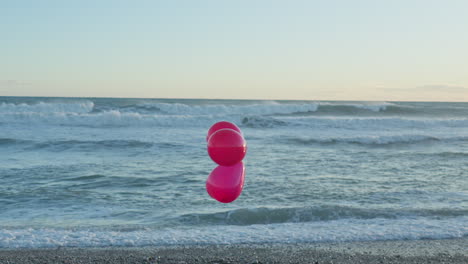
421, 251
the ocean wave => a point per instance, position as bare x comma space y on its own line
97, 181
87, 177
115, 118
382, 122
255, 108
321, 231
218, 107
84, 145
352, 107
353, 123
267, 108
110, 118
7, 141
145, 108
49, 107
317, 115
448, 154
263, 215
13, 141
126, 119
262, 122
90, 145
374, 140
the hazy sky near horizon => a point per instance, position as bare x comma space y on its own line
259, 49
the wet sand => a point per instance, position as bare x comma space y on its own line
421, 251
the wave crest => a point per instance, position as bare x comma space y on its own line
308, 214
269, 108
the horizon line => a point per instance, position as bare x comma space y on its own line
227, 99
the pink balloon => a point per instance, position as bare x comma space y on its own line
221, 125
225, 184
227, 147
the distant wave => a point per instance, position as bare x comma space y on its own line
268, 114
264, 108
12, 141
143, 108
92, 145
103, 181
374, 140
42, 107
451, 154
111, 118
119, 119
354, 123
218, 107
84, 145
352, 107
262, 122
310, 214
268, 108
7, 141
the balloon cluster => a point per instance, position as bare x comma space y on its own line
227, 147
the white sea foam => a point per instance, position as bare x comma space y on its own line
106, 118
251, 109
41, 107
265, 108
323, 231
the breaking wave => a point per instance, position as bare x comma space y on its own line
256, 114
42, 107
270, 108
117, 118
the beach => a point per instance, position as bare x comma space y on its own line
396, 251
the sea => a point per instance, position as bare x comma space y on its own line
126, 172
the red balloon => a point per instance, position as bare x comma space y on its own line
227, 147
225, 184
221, 125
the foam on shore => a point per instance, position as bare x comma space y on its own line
321, 231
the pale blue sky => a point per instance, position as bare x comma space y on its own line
328, 50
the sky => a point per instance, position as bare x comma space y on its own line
399, 50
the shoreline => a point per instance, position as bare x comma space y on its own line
392, 251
